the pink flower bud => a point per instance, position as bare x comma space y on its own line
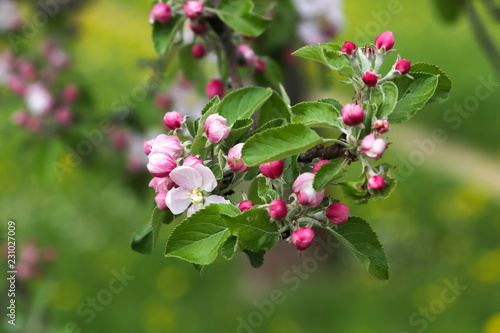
27, 70
215, 88
160, 200
403, 66
338, 213
173, 120
161, 184
33, 124
198, 51
381, 126
303, 238
160, 12
216, 128
277, 209
372, 147
70, 93
193, 9
163, 101
369, 51
376, 182
348, 48
370, 79
199, 27
160, 165
235, 161
272, 170
191, 161
120, 139
260, 66
62, 115
306, 195
245, 37
352, 114
148, 145
247, 54
245, 205
385, 40
167, 144
319, 164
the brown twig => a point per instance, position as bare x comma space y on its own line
329, 153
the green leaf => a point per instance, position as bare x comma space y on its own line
198, 238
274, 108
198, 146
355, 192
413, 98
164, 33
242, 103
357, 235
311, 52
315, 114
449, 10
336, 60
239, 129
229, 247
273, 72
253, 229
278, 143
327, 173
291, 170
251, 174
390, 183
144, 240
256, 258
270, 124
443, 90
265, 192
238, 15
333, 102
385, 98
190, 66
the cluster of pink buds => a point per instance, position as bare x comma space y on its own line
248, 58
44, 105
162, 12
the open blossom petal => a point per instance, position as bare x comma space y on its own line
177, 200
216, 199
186, 177
208, 181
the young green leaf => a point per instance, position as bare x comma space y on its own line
164, 33
385, 98
265, 192
336, 60
238, 15
253, 229
278, 143
198, 146
198, 238
327, 173
315, 114
239, 129
144, 240
357, 235
355, 192
242, 103
256, 258
274, 108
443, 90
229, 247
413, 97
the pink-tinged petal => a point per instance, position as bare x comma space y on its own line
217, 131
208, 181
215, 199
186, 177
193, 209
177, 200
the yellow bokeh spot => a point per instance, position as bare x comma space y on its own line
158, 318
486, 268
465, 204
172, 282
493, 324
426, 294
66, 295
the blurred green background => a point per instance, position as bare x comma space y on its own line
440, 226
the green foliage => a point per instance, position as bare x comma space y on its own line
448, 10
357, 235
327, 54
265, 192
443, 89
274, 108
278, 143
164, 33
198, 238
144, 240
239, 15
229, 247
327, 173
200, 140
239, 129
355, 192
413, 97
253, 229
385, 98
315, 114
242, 103
256, 258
